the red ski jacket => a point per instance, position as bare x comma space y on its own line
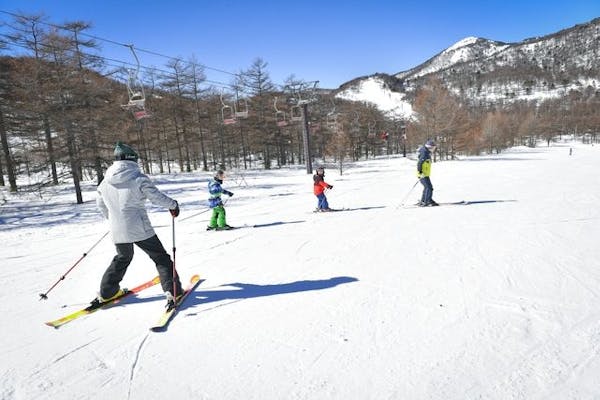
320, 185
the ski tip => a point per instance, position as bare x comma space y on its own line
195, 278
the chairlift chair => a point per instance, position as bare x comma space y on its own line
279, 115
140, 114
295, 113
227, 113
135, 93
135, 90
280, 119
241, 108
332, 121
371, 127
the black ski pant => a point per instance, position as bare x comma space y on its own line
117, 268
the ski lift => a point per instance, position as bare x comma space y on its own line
332, 118
279, 115
371, 127
332, 123
227, 113
241, 108
140, 114
135, 89
296, 100
295, 113
356, 123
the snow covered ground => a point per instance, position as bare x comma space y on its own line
497, 299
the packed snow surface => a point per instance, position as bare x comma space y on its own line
495, 299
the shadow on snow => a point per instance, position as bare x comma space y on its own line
470, 202
276, 223
244, 291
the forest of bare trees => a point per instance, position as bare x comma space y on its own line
461, 128
62, 110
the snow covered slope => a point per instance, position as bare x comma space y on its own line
374, 90
498, 299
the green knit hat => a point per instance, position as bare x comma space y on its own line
124, 152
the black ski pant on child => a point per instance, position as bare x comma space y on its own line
117, 268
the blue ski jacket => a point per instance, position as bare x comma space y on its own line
216, 190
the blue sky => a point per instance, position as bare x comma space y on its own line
329, 41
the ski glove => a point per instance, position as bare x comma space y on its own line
228, 193
175, 211
329, 186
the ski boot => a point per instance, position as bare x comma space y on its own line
172, 301
99, 300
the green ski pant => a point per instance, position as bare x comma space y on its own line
218, 217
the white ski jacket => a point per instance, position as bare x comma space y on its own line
121, 198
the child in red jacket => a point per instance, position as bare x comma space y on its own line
319, 189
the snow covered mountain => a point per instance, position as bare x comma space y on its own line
483, 71
465, 50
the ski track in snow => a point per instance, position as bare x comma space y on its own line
135, 363
73, 351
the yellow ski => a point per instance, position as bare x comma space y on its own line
166, 317
68, 318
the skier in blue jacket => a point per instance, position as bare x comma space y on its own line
217, 220
423, 173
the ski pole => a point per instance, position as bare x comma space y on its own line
196, 214
408, 194
44, 296
174, 270
201, 212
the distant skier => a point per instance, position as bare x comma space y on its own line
218, 219
319, 190
423, 173
121, 198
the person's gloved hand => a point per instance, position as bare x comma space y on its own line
175, 211
329, 186
229, 193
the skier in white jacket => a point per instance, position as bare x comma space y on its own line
121, 199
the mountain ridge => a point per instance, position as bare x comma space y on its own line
490, 72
